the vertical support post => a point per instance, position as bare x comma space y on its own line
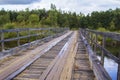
18, 41
95, 46
28, 35
91, 38
2, 39
92, 41
36, 34
118, 73
102, 55
88, 37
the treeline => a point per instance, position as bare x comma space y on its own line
108, 20
38, 18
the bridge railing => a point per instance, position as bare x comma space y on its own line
27, 35
91, 36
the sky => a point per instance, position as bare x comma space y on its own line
84, 6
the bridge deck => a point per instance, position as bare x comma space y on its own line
63, 58
81, 69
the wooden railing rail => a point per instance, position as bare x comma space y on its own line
91, 37
37, 32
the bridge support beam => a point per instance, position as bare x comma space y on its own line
2, 43
18, 41
102, 55
118, 73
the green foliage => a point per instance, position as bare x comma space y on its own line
33, 19
9, 26
20, 18
101, 29
106, 19
112, 26
4, 19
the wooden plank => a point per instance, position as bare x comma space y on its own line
118, 72
108, 53
63, 61
67, 70
99, 71
6, 71
54, 70
112, 35
2, 43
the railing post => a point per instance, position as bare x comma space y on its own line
95, 46
28, 35
92, 41
118, 73
2, 39
18, 41
102, 55
90, 38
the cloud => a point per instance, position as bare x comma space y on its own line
3, 2
84, 6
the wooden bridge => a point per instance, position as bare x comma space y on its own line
70, 55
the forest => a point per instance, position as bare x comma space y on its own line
102, 20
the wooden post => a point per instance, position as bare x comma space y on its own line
18, 41
90, 38
28, 35
2, 39
102, 55
92, 41
95, 46
118, 73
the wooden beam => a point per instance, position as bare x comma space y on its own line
99, 71
102, 55
2, 39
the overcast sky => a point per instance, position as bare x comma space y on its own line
84, 6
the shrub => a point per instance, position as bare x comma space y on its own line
9, 26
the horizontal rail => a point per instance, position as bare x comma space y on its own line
26, 46
22, 37
112, 35
108, 53
28, 31
98, 69
92, 38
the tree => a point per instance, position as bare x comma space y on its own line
112, 26
20, 18
33, 19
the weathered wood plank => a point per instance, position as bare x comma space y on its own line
112, 35
99, 71
67, 70
54, 70
24, 60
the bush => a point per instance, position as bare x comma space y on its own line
9, 26
102, 29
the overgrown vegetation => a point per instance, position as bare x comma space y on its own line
101, 21
38, 18
107, 20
